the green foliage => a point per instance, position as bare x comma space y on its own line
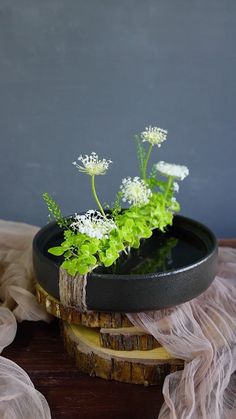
117, 204
54, 210
153, 172
141, 154
82, 253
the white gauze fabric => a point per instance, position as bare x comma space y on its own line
18, 397
202, 332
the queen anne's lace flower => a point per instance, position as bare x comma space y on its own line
92, 165
173, 170
134, 191
93, 224
154, 135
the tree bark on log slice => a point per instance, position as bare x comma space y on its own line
127, 339
72, 315
72, 290
137, 367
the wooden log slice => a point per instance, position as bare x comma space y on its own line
127, 339
137, 367
72, 315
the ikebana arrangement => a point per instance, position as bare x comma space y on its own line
135, 255
100, 236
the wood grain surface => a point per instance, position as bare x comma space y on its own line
38, 348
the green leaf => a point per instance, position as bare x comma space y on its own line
111, 252
56, 251
70, 266
108, 261
54, 210
66, 245
66, 264
92, 261
147, 233
126, 235
84, 250
153, 172
117, 204
79, 239
82, 269
93, 246
136, 244
68, 254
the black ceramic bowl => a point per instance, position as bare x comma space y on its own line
169, 269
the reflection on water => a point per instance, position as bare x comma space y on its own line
157, 261
161, 253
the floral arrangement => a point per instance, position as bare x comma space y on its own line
99, 237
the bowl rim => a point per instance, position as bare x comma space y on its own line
154, 275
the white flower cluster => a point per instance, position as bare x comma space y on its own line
173, 170
134, 191
92, 165
93, 224
154, 135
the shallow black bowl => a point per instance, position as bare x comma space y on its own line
182, 263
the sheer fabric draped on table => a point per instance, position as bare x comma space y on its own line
203, 333
18, 397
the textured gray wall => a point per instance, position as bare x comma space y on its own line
79, 76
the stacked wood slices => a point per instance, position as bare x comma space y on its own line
107, 345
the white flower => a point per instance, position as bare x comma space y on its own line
173, 170
93, 224
176, 187
154, 135
92, 165
135, 191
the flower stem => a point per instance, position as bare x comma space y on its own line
95, 195
169, 184
146, 162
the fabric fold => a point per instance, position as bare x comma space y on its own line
18, 397
203, 333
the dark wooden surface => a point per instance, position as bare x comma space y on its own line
38, 348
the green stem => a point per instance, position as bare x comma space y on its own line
146, 162
95, 195
169, 184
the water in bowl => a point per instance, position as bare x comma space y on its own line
162, 252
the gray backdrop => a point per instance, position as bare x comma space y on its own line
84, 75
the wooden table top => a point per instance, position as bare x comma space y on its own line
38, 349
